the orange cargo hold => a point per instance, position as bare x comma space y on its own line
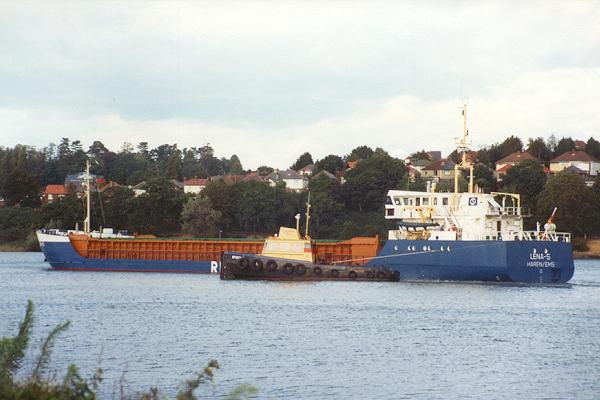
357, 250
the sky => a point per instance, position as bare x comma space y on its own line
269, 80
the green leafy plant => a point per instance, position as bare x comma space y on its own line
37, 386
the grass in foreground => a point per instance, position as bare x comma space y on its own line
38, 386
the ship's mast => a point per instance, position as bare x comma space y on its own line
307, 216
463, 147
87, 221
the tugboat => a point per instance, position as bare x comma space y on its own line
290, 257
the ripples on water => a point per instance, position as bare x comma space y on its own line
334, 340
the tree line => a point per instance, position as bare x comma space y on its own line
339, 210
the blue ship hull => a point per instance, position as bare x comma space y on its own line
62, 256
416, 260
502, 261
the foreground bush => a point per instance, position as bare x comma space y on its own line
37, 386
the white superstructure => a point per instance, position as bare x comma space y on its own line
462, 216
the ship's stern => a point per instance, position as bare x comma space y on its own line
544, 262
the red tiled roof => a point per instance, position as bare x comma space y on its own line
517, 157
195, 182
56, 190
573, 156
352, 164
580, 144
504, 168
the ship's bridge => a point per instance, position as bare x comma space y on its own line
456, 216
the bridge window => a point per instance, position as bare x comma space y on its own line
444, 201
435, 201
388, 201
389, 211
425, 201
406, 202
417, 201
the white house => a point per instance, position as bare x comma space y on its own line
293, 179
307, 170
194, 185
578, 159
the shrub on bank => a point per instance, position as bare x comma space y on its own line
38, 386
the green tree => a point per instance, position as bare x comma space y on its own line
16, 223
574, 203
510, 145
263, 170
117, 207
199, 218
483, 177
360, 153
592, 147
447, 185
97, 148
331, 163
538, 148
20, 188
302, 161
527, 179
420, 155
327, 205
223, 198
64, 213
367, 184
167, 159
263, 209
235, 165
564, 145
158, 210
191, 167
417, 183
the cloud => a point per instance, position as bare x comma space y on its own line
270, 80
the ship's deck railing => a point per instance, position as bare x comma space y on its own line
524, 235
549, 236
55, 232
511, 211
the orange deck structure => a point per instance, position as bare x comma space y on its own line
357, 250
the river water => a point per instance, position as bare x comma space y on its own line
337, 340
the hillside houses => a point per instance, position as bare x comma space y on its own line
578, 159
439, 170
506, 163
293, 180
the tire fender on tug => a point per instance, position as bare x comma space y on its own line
288, 268
300, 269
334, 273
257, 264
317, 270
271, 266
353, 275
243, 263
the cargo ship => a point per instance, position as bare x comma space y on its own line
455, 236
